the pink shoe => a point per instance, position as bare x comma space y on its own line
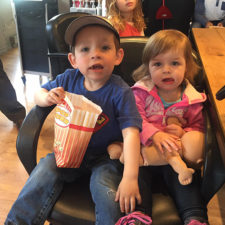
196, 222
135, 218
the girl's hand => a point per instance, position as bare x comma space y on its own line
165, 141
175, 130
55, 96
127, 194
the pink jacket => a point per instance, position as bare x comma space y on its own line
151, 109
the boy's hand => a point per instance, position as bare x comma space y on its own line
55, 96
127, 194
44, 98
165, 141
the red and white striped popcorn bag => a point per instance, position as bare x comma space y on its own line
75, 120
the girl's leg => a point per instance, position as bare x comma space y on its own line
193, 148
153, 157
188, 198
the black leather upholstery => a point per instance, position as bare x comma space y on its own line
57, 49
75, 206
132, 47
182, 13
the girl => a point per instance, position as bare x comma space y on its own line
170, 107
171, 110
126, 17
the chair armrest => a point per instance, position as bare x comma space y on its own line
27, 139
214, 170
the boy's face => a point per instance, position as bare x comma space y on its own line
95, 54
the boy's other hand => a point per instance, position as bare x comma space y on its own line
127, 194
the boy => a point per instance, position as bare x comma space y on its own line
95, 52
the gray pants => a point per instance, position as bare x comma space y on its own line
9, 105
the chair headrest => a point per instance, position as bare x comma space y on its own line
56, 28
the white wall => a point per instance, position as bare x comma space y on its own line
7, 25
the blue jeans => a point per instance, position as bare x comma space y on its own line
45, 184
187, 198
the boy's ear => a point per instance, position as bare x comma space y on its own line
72, 60
119, 56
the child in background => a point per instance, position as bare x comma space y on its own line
209, 13
95, 50
164, 95
126, 17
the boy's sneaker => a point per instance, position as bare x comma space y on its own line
135, 218
196, 222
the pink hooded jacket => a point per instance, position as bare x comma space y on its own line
154, 115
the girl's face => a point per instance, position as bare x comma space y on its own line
167, 70
126, 6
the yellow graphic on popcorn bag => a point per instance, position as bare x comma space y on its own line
62, 115
75, 120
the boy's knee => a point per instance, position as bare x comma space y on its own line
48, 161
105, 177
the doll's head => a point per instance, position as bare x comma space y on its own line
162, 42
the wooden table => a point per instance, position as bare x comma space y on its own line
210, 43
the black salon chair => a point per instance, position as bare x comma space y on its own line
57, 49
182, 13
75, 206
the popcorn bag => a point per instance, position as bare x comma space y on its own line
75, 120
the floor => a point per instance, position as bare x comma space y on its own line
13, 175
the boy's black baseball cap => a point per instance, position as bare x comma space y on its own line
84, 21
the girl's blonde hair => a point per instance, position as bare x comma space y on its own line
161, 42
113, 14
